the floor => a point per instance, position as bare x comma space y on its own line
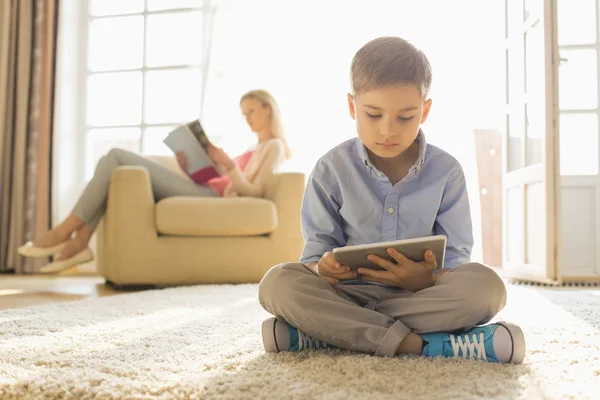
75, 284
24, 291
205, 341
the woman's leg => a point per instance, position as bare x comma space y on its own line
92, 204
59, 234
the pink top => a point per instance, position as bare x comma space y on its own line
251, 173
220, 183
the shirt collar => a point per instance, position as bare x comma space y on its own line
416, 168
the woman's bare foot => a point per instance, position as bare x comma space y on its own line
73, 246
49, 239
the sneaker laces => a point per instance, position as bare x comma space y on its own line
468, 346
308, 342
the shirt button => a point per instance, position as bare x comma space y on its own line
390, 210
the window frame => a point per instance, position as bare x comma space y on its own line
207, 10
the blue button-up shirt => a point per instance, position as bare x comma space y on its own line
348, 202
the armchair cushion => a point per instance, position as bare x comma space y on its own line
196, 216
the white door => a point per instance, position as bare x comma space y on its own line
531, 179
579, 112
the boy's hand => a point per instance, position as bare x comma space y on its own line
182, 161
332, 271
407, 274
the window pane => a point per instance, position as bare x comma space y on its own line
578, 77
535, 61
506, 76
516, 71
116, 43
535, 220
153, 140
173, 96
515, 214
154, 5
514, 17
100, 141
533, 9
113, 7
516, 133
576, 22
114, 99
536, 131
535, 116
578, 144
174, 39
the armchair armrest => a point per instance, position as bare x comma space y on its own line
286, 190
130, 216
129, 220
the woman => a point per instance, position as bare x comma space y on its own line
246, 177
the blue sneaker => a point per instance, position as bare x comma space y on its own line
500, 343
280, 336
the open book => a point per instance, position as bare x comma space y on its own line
191, 139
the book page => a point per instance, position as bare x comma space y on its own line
183, 139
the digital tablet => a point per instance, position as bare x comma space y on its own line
414, 249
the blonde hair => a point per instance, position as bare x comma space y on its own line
266, 99
389, 60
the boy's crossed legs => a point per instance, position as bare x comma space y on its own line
386, 321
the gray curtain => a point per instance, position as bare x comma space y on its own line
27, 65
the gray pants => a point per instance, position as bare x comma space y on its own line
91, 206
375, 319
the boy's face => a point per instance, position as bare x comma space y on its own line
388, 118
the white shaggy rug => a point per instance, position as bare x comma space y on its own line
204, 342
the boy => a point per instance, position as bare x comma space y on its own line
388, 184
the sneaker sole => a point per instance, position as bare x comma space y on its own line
518, 339
268, 335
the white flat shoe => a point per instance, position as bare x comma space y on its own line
29, 250
83, 256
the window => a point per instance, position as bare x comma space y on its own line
578, 87
144, 73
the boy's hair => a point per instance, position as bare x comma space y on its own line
387, 61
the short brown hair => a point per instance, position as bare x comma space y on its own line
389, 60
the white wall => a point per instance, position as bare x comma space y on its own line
301, 52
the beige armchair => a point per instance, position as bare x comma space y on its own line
190, 240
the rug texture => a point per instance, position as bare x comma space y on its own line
204, 342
